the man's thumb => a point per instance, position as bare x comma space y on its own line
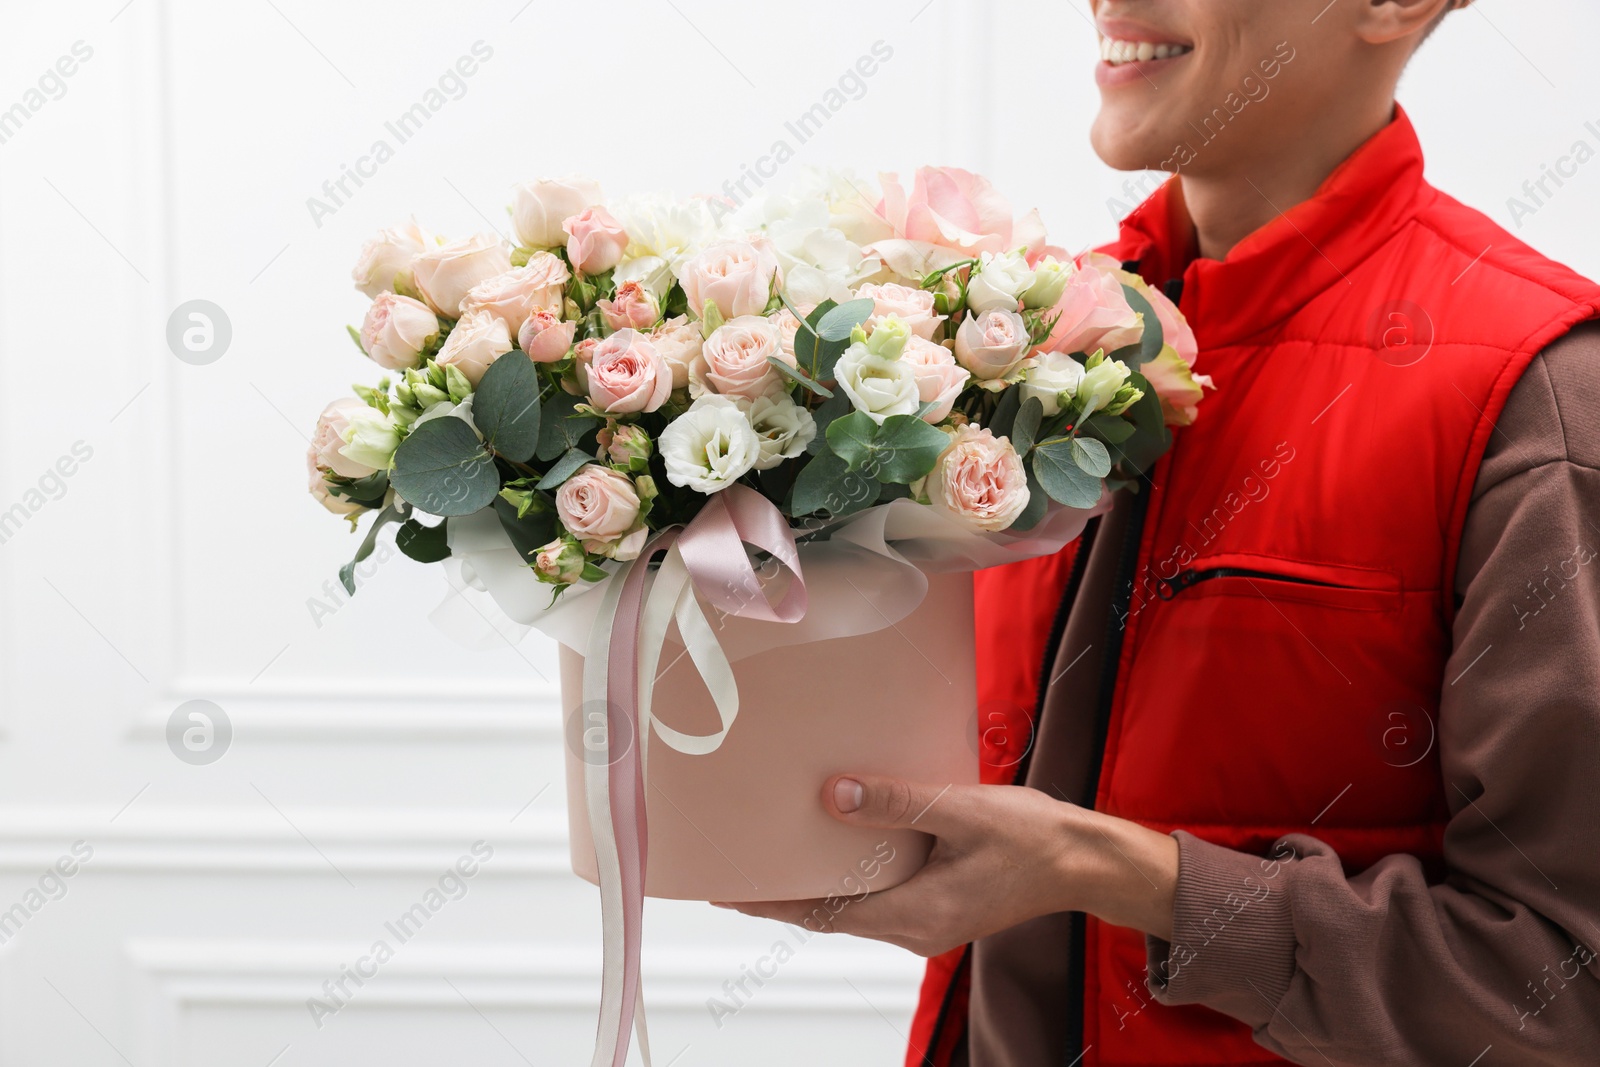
869, 800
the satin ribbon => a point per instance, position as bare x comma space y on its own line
707, 559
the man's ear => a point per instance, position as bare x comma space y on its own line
1387, 21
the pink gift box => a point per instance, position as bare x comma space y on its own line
746, 822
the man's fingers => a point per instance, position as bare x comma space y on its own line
870, 800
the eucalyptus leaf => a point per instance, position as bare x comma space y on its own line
1139, 452
837, 324
560, 428
1038, 503
826, 485
829, 410
564, 468
505, 406
529, 533
1026, 427
1091, 456
1112, 429
425, 544
1063, 480
800, 376
901, 450
1152, 341
1005, 412
442, 468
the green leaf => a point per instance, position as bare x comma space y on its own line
1026, 426
1063, 480
368, 492
1091, 456
529, 533
1150, 344
505, 406
1038, 502
828, 353
826, 485
1112, 429
710, 318
829, 410
347, 573
817, 313
425, 544
1005, 412
800, 376
559, 428
442, 468
838, 322
1151, 439
564, 468
902, 450
355, 335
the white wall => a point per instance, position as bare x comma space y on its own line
181, 560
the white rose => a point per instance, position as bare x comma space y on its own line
784, 427
662, 231
539, 208
370, 438
385, 260
710, 446
1101, 383
877, 386
445, 275
999, 282
1051, 375
480, 338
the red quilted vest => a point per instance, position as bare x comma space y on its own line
1292, 592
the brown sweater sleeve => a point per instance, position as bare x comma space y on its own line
1384, 967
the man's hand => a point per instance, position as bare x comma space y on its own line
1002, 855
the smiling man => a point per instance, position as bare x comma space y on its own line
1318, 708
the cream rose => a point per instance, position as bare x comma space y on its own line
600, 507
978, 480
396, 330
539, 208
733, 360
737, 276
913, 305
1093, 314
1052, 375
595, 240
317, 483
445, 274
521, 291
939, 378
385, 260
477, 341
679, 343
784, 427
876, 385
991, 344
710, 446
626, 374
546, 338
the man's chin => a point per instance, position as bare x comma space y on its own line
1123, 147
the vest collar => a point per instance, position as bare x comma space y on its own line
1281, 267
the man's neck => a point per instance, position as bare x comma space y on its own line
1228, 206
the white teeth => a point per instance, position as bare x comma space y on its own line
1117, 53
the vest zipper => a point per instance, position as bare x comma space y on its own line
1167, 588
1116, 628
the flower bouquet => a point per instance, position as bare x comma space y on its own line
723, 451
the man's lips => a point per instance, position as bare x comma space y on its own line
1130, 53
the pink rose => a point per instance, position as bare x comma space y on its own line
991, 345
477, 341
913, 305
328, 438
979, 480
737, 276
396, 330
626, 374
939, 379
600, 507
633, 306
1092, 314
445, 274
318, 484
595, 240
385, 259
956, 209
733, 360
539, 208
788, 326
679, 343
519, 292
546, 338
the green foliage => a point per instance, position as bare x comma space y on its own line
901, 450
443, 468
505, 406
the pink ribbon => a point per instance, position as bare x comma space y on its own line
713, 552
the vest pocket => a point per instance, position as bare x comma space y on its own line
1327, 585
